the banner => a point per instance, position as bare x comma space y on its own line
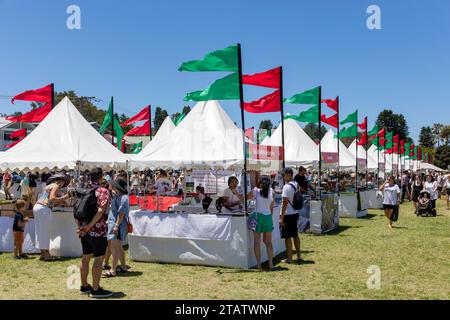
330, 157
157, 203
361, 164
259, 152
330, 216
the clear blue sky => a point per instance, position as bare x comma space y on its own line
132, 49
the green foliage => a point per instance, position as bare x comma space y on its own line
312, 130
160, 116
426, 137
266, 125
393, 123
442, 157
445, 134
89, 111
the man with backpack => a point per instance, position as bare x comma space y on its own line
291, 204
91, 211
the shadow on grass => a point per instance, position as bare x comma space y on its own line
368, 216
116, 295
129, 274
339, 230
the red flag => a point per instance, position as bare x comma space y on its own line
363, 126
389, 151
9, 146
144, 114
419, 153
39, 95
396, 138
268, 79
18, 134
332, 104
249, 133
363, 139
411, 150
269, 103
36, 115
382, 137
143, 130
332, 121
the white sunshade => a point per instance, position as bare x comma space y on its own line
371, 162
329, 145
63, 140
206, 137
300, 149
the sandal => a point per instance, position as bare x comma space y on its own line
108, 274
106, 267
120, 270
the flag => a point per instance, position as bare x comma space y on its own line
144, 114
39, 95
268, 103
350, 132
36, 115
332, 121
249, 133
267, 79
116, 126
332, 104
396, 138
352, 118
373, 132
9, 146
411, 151
137, 148
363, 139
179, 119
363, 126
219, 60
226, 88
311, 115
388, 144
143, 130
262, 134
18, 134
308, 97
406, 149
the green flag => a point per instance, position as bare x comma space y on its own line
262, 134
407, 148
311, 115
180, 118
350, 132
117, 128
373, 132
219, 60
352, 118
223, 89
389, 140
308, 97
137, 148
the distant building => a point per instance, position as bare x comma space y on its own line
7, 127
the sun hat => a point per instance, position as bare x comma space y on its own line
59, 176
121, 185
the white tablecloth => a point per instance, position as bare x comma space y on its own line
7, 237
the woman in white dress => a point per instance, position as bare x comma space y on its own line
391, 198
42, 211
431, 186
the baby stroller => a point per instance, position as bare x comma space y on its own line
424, 208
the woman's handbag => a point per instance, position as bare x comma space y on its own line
394, 216
252, 221
129, 227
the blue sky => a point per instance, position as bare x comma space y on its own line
132, 49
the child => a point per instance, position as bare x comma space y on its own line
18, 229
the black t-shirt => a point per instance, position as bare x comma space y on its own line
18, 217
302, 182
32, 180
44, 177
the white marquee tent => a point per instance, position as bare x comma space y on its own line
300, 149
371, 162
63, 140
329, 145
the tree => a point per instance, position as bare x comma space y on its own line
312, 130
442, 157
393, 123
426, 138
89, 111
160, 116
436, 129
176, 115
445, 134
266, 125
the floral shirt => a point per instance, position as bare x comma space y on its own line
100, 229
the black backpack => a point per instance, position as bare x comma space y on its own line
85, 207
297, 202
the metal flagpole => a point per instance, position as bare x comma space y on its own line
356, 174
112, 120
320, 143
241, 101
338, 144
52, 85
150, 120
282, 115
367, 169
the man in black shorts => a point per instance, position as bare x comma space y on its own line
289, 216
94, 241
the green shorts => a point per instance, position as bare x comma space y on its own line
265, 223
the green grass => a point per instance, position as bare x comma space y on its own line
414, 262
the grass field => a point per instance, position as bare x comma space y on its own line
414, 260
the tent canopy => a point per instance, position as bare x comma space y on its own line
371, 162
329, 145
63, 140
300, 149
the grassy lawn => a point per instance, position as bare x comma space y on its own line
414, 260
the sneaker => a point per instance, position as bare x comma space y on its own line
100, 293
17, 257
86, 290
24, 256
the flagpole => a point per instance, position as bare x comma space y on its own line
52, 85
367, 139
338, 144
282, 115
150, 120
320, 143
356, 174
241, 101
112, 121
378, 160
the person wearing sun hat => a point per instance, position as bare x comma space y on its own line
117, 226
42, 210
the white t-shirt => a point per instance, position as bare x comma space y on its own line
429, 186
163, 185
232, 198
390, 195
135, 180
288, 192
262, 204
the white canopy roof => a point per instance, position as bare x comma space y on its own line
300, 149
429, 166
207, 136
329, 145
63, 139
371, 162
160, 139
